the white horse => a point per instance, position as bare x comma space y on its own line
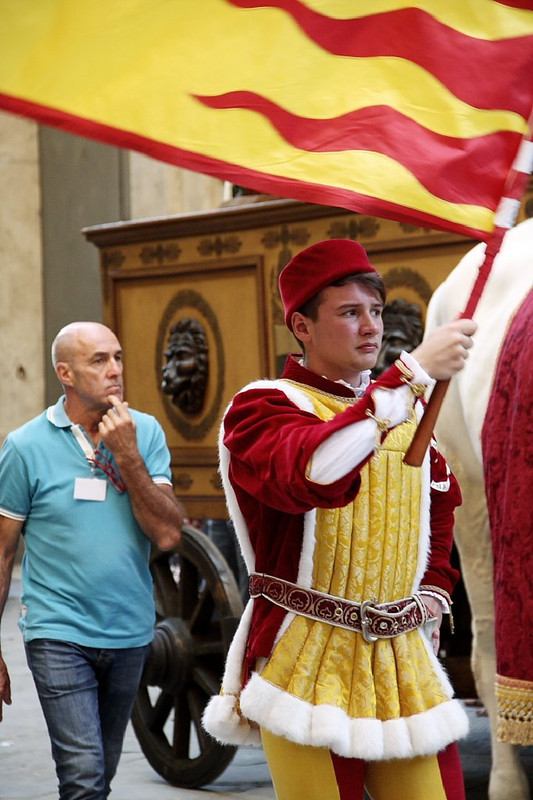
458, 431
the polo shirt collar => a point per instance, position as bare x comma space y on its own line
57, 415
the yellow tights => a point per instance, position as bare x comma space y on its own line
302, 772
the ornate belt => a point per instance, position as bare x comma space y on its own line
372, 619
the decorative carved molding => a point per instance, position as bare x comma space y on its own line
186, 300
159, 253
112, 258
239, 218
407, 228
182, 480
193, 455
284, 236
216, 481
354, 228
219, 245
403, 276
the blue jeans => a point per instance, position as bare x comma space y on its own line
87, 695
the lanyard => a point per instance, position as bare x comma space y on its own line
87, 449
101, 462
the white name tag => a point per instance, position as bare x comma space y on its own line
90, 489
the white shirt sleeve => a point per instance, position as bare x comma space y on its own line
348, 447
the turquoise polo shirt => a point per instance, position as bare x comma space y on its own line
85, 570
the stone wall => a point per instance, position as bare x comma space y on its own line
21, 307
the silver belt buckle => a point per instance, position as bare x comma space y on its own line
365, 623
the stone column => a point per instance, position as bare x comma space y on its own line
21, 298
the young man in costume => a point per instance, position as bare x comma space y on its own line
333, 667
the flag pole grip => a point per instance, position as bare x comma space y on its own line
417, 449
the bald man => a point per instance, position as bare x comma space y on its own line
88, 485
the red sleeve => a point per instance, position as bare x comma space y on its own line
271, 442
445, 497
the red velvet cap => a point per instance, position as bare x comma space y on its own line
316, 267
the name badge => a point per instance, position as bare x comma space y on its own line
90, 489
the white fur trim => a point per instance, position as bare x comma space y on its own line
299, 399
296, 395
231, 682
394, 406
220, 717
370, 739
222, 722
241, 529
305, 568
436, 664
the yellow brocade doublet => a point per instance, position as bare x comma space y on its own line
368, 550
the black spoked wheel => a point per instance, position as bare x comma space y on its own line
198, 607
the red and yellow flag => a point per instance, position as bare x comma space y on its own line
414, 112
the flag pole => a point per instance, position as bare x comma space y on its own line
504, 219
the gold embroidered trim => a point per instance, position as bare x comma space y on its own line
514, 699
340, 397
418, 389
404, 369
383, 426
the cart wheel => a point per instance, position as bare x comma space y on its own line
198, 607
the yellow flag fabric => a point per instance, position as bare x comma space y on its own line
410, 112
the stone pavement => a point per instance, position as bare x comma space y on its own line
27, 773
